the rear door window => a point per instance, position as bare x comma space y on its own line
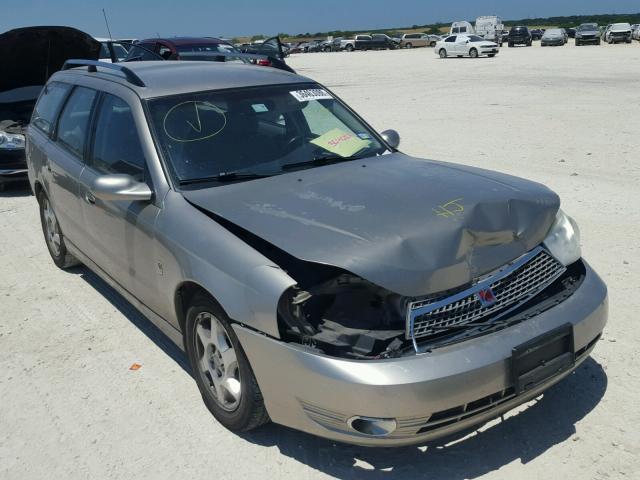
451, 39
116, 147
48, 105
74, 120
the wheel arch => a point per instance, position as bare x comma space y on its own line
184, 294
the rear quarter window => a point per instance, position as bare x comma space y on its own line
48, 106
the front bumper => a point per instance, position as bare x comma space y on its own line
555, 42
319, 394
13, 165
592, 39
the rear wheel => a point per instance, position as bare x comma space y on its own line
473, 53
349, 48
443, 53
53, 235
221, 369
433, 44
409, 45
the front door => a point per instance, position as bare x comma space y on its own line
120, 231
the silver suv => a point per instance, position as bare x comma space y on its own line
314, 275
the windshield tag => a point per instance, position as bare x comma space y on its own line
312, 94
259, 107
340, 142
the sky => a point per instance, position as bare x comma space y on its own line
229, 18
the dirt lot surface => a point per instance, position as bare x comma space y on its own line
70, 407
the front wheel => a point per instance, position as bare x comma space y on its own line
408, 45
349, 48
53, 235
510, 44
473, 53
442, 53
221, 369
491, 55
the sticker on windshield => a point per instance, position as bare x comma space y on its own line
259, 107
340, 142
312, 94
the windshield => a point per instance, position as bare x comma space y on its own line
588, 27
554, 31
258, 131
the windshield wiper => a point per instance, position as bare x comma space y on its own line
225, 177
319, 161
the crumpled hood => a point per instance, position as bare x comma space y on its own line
29, 56
412, 226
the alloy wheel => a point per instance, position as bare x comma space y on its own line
217, 361
51, 227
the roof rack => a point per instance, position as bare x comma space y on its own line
94, 64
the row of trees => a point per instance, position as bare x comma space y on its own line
435, 28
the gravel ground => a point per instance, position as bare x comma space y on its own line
568, 117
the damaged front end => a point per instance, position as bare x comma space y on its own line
348, 317
344, 316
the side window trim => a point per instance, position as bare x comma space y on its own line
96, 110
54, 132
54, 123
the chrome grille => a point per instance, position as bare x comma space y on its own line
511, 287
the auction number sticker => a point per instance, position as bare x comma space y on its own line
312, 94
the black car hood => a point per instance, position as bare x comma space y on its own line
412, 226
29, 56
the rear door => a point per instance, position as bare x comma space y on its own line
65, 161
120, 231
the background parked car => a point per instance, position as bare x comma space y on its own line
617, 33
519, 35
466, 46
588, 33
553, 37
410, 40
536, 34
368, 42
25, 69
571, 32
635, 33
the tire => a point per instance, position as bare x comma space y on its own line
408, 45
442, 53
432, 44
529, 43
349, 48
577, 43
510, 44
473, 53
237, 414
491, 55
53, 236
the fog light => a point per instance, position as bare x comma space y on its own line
373, 427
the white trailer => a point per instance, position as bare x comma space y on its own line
461, 27
490, 28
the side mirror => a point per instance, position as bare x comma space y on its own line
391, 137
120, 187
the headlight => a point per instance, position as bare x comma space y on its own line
563, 240
11, 141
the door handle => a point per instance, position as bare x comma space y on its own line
90, 198
48, 167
